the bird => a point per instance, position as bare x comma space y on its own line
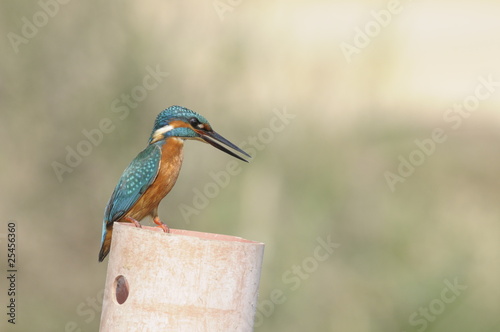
153, 173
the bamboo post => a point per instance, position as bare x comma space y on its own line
180, 281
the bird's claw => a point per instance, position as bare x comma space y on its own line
135, 222
160, 224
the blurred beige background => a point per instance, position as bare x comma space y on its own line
374, 126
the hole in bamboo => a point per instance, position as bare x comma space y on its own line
121, 289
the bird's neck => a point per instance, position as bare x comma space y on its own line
171, 147
169, 141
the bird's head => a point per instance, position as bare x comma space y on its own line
180, 122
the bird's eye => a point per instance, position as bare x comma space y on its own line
196, 123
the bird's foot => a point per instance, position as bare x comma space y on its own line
135, 222
157, 221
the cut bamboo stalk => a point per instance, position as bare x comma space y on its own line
180, 281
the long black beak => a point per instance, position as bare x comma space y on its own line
211, 137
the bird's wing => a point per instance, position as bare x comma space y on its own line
135, 180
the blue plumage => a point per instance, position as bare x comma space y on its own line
136, 178
176, 113
152, 174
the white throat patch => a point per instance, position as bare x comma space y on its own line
158, 134
163, 130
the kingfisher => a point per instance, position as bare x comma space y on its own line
152, 174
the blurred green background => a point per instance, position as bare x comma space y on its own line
361, 81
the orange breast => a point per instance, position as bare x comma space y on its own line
170, 165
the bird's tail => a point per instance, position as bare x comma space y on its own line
107, 231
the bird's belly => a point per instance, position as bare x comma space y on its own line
168, 172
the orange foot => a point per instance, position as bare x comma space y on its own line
160, 224
135, 222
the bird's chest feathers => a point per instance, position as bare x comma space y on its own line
170, 165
